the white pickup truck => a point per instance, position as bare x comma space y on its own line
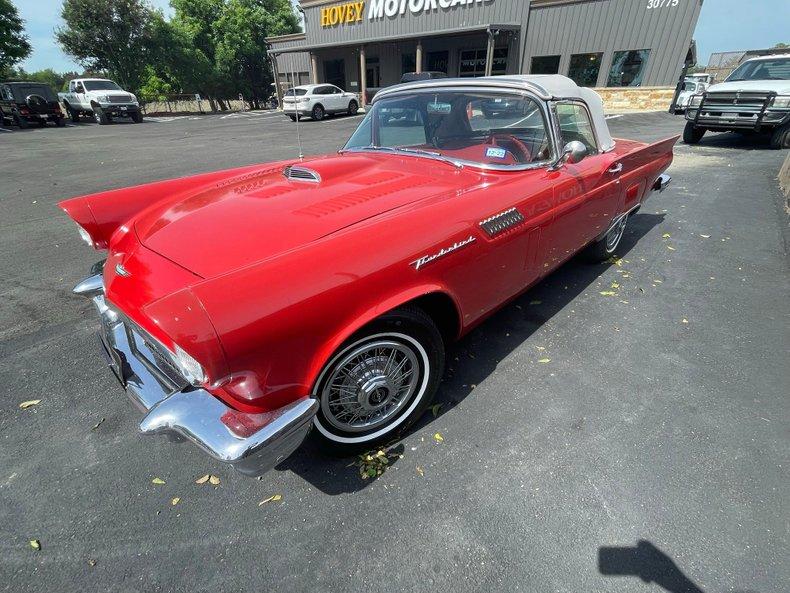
754, 98
100, 99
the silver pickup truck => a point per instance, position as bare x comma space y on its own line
100, 99
754, 98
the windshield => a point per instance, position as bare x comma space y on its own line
477, 127
101, 85
689, 86
776, 69
297, 92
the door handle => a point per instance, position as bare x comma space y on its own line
615, 168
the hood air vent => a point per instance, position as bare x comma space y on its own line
301, 174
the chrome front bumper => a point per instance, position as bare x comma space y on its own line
172, 406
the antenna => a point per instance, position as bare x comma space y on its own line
296, 109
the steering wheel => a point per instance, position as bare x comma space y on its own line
521, 153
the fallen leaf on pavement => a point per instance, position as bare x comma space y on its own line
535, 302
157, 481
685, 320
274, 498
666, 236
175, 501
202, 479
95, 426
544, 360
670, 248
608, 293
420, 471
435, 409
92, 562
213, 480
705, 236
438, 438
29, 403
35, 544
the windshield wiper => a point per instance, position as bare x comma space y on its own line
415, 151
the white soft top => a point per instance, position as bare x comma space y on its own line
546, 86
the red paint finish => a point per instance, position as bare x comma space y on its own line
261, 278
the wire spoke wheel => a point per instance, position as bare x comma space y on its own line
370, 385
613, 236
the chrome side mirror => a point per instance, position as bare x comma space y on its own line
573, 152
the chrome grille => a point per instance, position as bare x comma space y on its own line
746, 101
499, 223
301, 174
120, 98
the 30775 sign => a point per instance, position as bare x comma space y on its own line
661, 3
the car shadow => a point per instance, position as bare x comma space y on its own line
474, 358
649, 563
733, 140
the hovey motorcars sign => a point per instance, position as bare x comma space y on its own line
352, 12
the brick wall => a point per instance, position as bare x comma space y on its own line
616, 100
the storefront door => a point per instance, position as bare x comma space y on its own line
335, 72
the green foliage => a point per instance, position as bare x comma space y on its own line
57, 80
111, 35
14, 44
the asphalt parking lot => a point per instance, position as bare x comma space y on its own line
650, 454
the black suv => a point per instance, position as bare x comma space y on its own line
25, 102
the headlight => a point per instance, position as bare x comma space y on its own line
134, 98
781, 102
85, 236
190, 367
104, 98
695, 101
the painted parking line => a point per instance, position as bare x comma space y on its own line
613, 116
5, 130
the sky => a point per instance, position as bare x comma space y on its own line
724, 25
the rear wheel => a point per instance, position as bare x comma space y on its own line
293, 117
781, 137
692, 134
73, 114
318, 113
379, 382
42, 123
353, 107
605, 247
60, 122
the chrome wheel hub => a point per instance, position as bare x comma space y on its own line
613, 236
370, 385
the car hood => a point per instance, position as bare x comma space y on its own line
260, 214
781, 87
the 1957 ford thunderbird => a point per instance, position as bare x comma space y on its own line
241, 308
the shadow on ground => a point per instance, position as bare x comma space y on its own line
475, 357
647, 562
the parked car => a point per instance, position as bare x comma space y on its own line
688, 89
100, 99
754, 98
371, 91
318, 100
22, 103
324, 292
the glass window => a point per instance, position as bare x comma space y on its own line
101, 85
503, 129
408, 63
473, 62
771, 69
437, 61
545, 65
628, 67
584, 68
575, 124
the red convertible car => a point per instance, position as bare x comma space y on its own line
241, 308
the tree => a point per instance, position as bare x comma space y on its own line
14, 44
111, 35
240, 33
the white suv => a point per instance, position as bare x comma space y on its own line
317, 100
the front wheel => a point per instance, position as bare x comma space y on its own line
137, 117
379, 382
781, 137
318, 113
100, 117
692, 134
353, 107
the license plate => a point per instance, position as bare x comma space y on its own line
124, 108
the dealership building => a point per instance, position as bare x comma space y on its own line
358, 44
